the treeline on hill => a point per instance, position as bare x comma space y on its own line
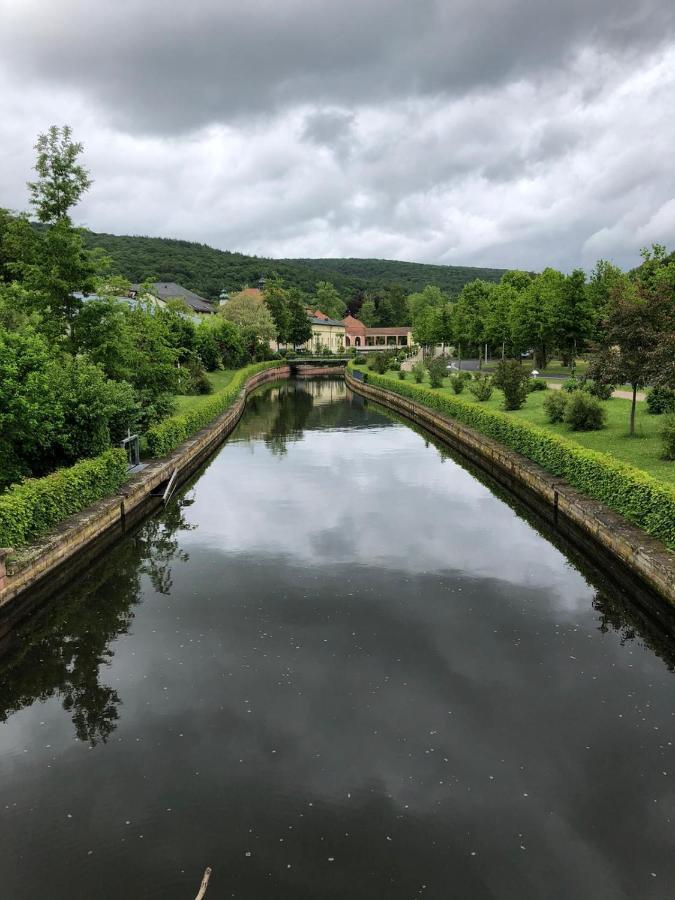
207, 271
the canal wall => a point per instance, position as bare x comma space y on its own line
47, 563
603, 535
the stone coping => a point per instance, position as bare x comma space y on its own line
593, 524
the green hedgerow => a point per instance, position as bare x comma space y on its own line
641, 498
32, 507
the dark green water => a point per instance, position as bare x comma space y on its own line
336, 666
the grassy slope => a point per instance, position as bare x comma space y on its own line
219, 380
643, 451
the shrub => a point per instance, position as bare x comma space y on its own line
419, 371
634, 494
584, 413
29, 509
481, 388
536, 384
599, 389
168, 434
572, 384
359, 359
668, 436
457, 384
660, 400
401, 374
437, 371
513, 379
394, 365
555, 405
378, 362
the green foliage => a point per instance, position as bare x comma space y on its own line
29, 509
481, 387
513, 380
570, 385
437, 368
378, 362
61, 179
329, 301
555, 405
634, 494
419, 371
584, 413
668, 436
536, 384
660, 400
457, 384
401, 374
247, 312
166, 435
359, 359
598, 389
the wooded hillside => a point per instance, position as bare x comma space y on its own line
207, 271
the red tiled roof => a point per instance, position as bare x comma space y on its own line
354, 326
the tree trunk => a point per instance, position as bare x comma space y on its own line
632, 410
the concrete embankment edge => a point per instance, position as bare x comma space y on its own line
43, 565
586, 523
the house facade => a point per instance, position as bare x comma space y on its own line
364, 338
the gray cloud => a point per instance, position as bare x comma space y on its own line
483, 133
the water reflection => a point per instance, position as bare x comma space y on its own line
336, 666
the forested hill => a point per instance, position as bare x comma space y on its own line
207, 271
412, 276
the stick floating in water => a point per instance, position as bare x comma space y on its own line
204, 885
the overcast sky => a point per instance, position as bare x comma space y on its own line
516, 133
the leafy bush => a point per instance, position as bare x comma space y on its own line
660, 400
167, 435
457, 384
437, 371
668, 436
359, 359
570, 385
555, 405
634, 494
419, 371
465, 375
513, 379
401, 374
394, 365
584, 413
599, 389
481, 387
29, 509
378, 362
536, 384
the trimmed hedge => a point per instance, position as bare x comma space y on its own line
168, 434
634, 494
29, 509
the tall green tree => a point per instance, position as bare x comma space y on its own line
62, 180
368, 313
571, 317
276, 301
329, 301
299, 329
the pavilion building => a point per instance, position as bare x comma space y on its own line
377, 338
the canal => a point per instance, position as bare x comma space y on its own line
336, 665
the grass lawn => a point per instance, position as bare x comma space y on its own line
642, 451
219, 379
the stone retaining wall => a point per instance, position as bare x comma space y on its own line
39, 563
585, 522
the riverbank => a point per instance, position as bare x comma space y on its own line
586, 520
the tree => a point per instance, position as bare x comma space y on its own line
368, 313
329, 301
497, 317
276, 301
513, 381
250, 312
299, 329
629, 337
571, 317
532, 315
470, 314
431, 296
61, 179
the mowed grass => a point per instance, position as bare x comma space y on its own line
642, 451
219, 379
